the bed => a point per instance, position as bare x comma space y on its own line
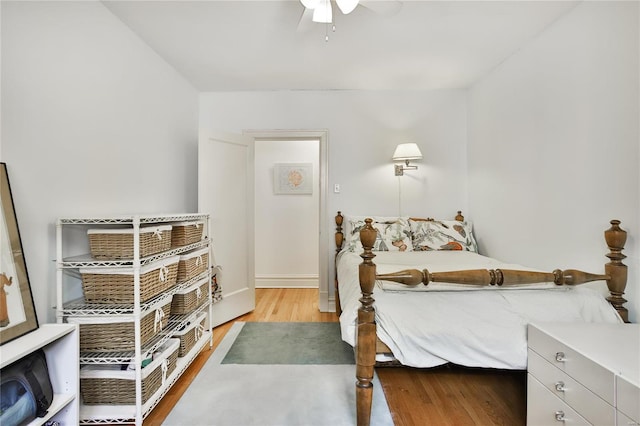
438, 301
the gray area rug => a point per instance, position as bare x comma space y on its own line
290, 343
297, 394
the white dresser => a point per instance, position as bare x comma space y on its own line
583, 374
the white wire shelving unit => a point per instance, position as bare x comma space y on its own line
71, 305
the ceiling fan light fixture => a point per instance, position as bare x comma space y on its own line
322, 12
346, 6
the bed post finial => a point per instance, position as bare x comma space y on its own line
459, 216
339, 236
616, 238
366, 329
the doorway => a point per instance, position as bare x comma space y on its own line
291, 247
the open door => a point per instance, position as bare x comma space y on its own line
226, 193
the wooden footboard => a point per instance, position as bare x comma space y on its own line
615, 275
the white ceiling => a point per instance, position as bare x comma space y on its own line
257, 45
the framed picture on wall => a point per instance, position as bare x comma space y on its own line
17, 311
293, 178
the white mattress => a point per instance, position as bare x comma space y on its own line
478, 328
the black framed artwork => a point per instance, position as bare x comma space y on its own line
17, 311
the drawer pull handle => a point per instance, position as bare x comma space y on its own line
560, 416
560, 386
560, 357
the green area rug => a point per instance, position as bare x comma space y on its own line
290, 343
306, 392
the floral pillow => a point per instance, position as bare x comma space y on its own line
392, 235
442, 235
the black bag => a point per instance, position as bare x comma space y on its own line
25, 390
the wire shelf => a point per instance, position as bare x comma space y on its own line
68, 278
129, 220
176, 322
78, 307
86, 260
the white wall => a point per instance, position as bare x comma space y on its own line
554, 145
94, 123
364, 128
286, 238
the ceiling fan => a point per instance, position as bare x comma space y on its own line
321, 11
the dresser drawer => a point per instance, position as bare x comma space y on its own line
628, 400
546, 409
590, 406
582, 369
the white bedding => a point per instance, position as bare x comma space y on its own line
481, 328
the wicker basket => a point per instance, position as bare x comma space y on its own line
187, 300
108, 384
185, 233
108, 336
110, 285
118, 243
193, 264
190, 334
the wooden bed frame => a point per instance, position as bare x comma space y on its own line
367, 343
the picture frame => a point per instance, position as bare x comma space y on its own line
293, 178
17, 310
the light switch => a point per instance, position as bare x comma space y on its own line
336, 188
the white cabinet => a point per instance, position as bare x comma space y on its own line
60, 345
141, 322
583, 373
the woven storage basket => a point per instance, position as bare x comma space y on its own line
120, 336
193, 264
118, 243
110, 285
108, 384
185, 301
185, 233
190, 334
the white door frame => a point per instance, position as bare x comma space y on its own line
324, 304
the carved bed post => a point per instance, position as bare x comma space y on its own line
339, 239
616, 270
366, 329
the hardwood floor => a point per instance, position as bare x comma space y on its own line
454, 396
442, 396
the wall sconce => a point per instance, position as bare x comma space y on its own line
406, 152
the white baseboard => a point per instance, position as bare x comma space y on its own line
332, 306
287, 281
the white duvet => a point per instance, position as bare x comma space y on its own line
437, 324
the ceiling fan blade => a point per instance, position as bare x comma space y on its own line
305, 23
323, 12
384, 8
347, 6
310, 4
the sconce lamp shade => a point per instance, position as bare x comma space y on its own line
407, 152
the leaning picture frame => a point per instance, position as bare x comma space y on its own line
17, 310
